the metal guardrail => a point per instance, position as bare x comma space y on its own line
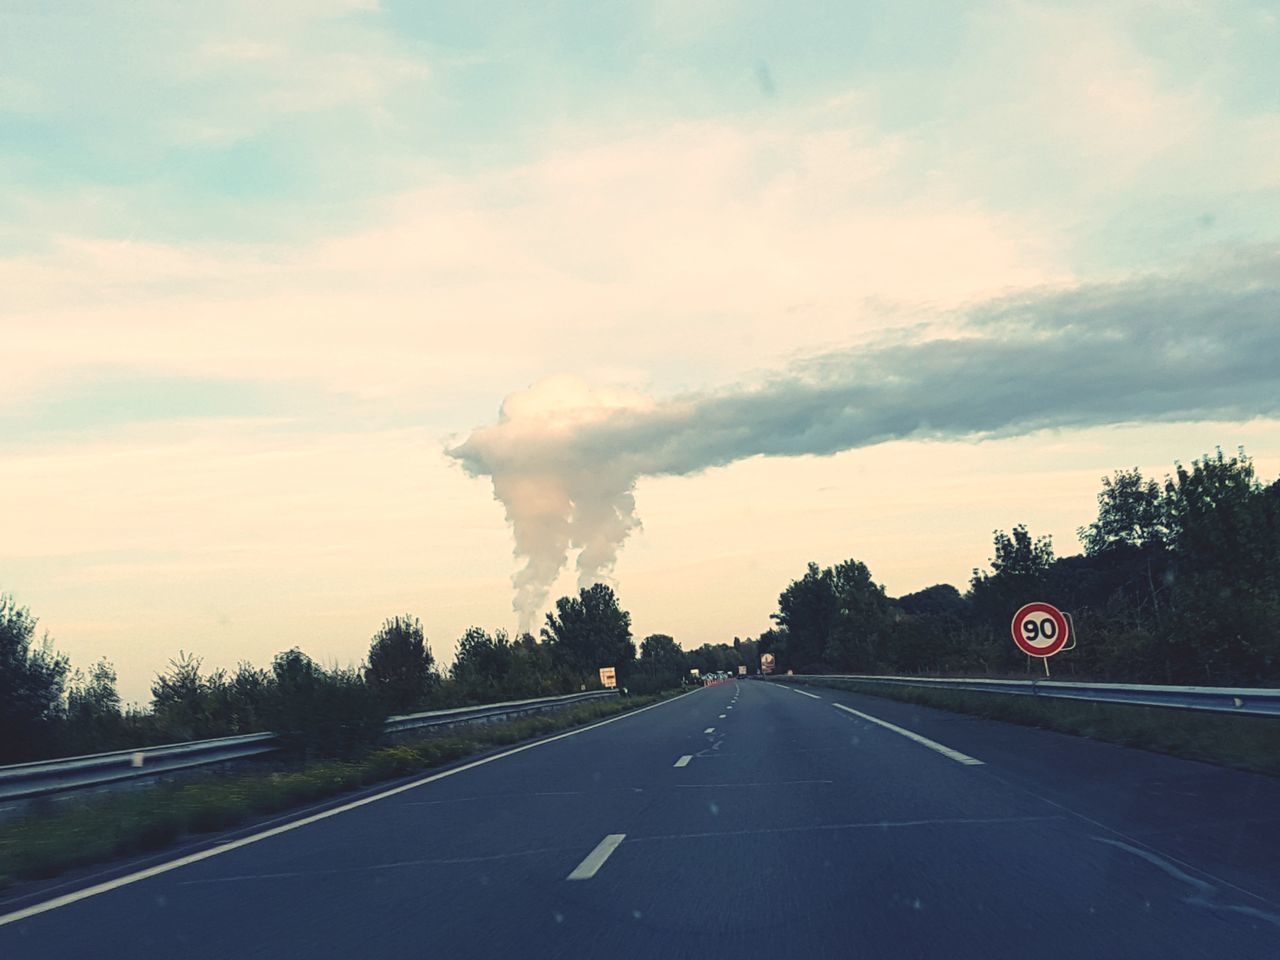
24, 781
1244, 701
490, 712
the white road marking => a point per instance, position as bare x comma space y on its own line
721, 717
589, 867
761, 783
683, 761
127, 879
709, 730
812, 696
1204, 892
955, 755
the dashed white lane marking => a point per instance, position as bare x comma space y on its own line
721, 717
955, 755
709, 730
761, 783
683, 761
811, 696
160, 868
589, 867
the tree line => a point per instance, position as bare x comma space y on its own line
47, 709
1179, 582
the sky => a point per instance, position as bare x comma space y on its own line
314, 312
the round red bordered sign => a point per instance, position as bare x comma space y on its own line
1040, 629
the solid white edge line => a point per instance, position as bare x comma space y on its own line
955, 755
589, 867
109, 885
683, 761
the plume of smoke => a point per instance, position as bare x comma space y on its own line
553, 501
1199, 345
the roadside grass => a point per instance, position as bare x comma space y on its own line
1245, 743
59, 836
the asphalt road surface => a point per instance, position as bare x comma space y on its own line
749, 819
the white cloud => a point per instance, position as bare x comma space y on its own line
127, 81
1075, 111
699, 248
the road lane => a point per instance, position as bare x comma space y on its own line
1224, 821
795, 828
813, 833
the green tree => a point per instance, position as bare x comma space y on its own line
93, 719
534, 669
1130, 513
321, 712
483, 663
32, 678
1126, 549
774, 641
928, 634
715, 656
1018, 574
940, 600
662, 665
237, 701
862, 618
807, 612
180, 700
748, 651
401, 668
1226, 543
590, 631
662, 650
94, 697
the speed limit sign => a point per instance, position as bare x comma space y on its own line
1040, 629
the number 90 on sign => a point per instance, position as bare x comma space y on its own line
1040, 629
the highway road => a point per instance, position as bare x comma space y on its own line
749, 819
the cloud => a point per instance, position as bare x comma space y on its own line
1195, 345
174, 108
673, 247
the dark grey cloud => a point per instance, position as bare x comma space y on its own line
1199, 344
